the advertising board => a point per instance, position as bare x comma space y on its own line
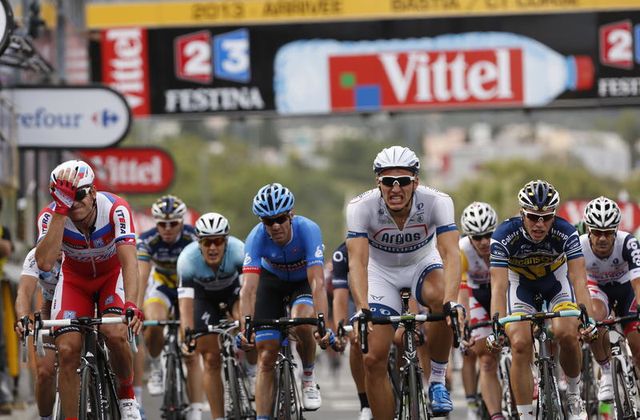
518, 61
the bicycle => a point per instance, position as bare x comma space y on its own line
412, 402
236, 381
481, 408
549, 401
98, 398
588, 392
286, 399
626, 387
174, 401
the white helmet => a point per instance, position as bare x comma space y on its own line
396, 157
212, 224
602, 213
478, 218
168, 207
80, 169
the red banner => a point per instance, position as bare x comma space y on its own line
131, 170
125, 66
573, 211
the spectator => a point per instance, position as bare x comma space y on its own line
6, 318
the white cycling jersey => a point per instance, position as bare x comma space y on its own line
431, 214
475, 271
621, 266
46, 279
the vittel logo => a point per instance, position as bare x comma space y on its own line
115, 171
124, 65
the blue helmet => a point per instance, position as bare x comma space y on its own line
272, 200
539, 195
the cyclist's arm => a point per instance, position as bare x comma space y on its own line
463, 297
248, 294
129, 262
450, 253
340, 306
358, 250
49, 247
315, 274
26, 289
5, 243
144, 269
578, 277
499, 284
186, 312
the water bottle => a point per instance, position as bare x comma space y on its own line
474, 69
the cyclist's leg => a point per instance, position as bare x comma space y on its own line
627, 305
70, 301
156, 306
251, 356
272, 292
600, 346
46, 372
209, 347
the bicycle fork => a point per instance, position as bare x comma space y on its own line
629, 375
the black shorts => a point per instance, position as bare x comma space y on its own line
209, 307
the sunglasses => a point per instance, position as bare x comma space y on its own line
82, 193
168, 225
534, 217
217, 241
391, 181
279, 220
478, 238
598, 233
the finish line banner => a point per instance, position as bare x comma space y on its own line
541, 61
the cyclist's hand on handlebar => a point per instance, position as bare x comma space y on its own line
134, 323
244, 344
329, 339
459, 309
495, 344
21, 326
363, 313
589, 332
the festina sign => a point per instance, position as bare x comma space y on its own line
131, 170
69, 117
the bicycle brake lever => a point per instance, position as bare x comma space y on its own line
247, 328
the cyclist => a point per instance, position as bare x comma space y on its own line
283, 262
392, 244
343, 309
158, 251
539, 253
30, 278
612, 259
478, 221
209, 272
95, 231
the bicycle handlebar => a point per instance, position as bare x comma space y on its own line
279, 323
611, 322
363, 332
160, 322
538, 316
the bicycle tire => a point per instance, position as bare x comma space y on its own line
550, 403
172, 404
622, 403
508, 402
414, 401
108, 379
88, 404
588, 391
237, 398
246, 409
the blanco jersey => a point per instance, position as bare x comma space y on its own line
621, 266
46, 280
475, 271
431, 214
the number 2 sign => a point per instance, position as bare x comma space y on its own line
616, 45
199, 56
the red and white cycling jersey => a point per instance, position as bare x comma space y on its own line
94, 255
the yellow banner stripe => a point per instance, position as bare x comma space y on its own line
236, 12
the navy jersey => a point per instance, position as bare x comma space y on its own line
164, 256
512, 248
340, 261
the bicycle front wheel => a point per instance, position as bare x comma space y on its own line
172, 408
551, 408
623, 407
89, 403
588, 392
286, 402
240, 407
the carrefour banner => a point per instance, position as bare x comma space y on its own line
585, 59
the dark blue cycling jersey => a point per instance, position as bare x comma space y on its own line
288, 262
340, 261
511, 247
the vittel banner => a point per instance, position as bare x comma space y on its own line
454, 63
131, 170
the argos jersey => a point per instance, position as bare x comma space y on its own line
96, 254
193, 271
340, 260
431, 214
288, 262
512, 248
46, 279
475, 271
164, 256
621, 266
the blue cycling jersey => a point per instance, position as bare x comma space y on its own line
288, 262
193, 270
340, 261
512, 248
